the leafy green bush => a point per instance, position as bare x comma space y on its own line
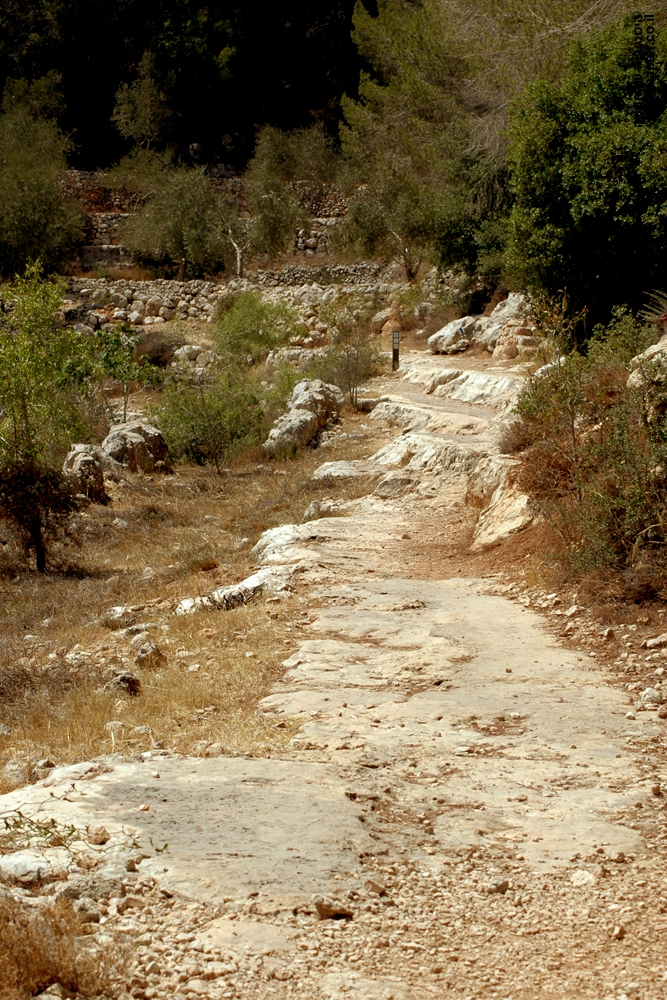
115, 352
278, 392
280, 159
353, 356
248, 328
588, 159
46, 373
35, 222
594, 454
140, 112
184, 219
207, 416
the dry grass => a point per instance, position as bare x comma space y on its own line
42, 945
185, 535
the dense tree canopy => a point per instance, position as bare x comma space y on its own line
587, 160
225, 67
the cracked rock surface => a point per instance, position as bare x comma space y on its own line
462, 812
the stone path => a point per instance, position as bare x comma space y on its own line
452, 798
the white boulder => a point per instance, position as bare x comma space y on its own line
451, 334
508, 512
313, 404
83, 466
137, 445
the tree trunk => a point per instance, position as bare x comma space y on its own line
37, 539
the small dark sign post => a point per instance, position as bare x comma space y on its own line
394, 353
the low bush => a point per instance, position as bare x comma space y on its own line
35, 222
40, 946
248, 328
353, 356
592, 437
207, 416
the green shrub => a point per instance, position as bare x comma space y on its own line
279, 391
46, 373
184, 219
353, 356
35, 222
594, 454
207, 416
280, 159
248, 328
140, 112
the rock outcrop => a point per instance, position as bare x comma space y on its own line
313, 405
138, 446
506, 333
85, 466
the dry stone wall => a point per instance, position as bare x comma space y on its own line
106, 208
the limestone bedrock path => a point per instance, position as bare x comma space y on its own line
436, 715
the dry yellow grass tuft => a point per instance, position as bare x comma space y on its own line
42, 945
161, 540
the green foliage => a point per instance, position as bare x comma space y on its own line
278, 393
207, 416
140, 112
353, 357
34, 220
305, 154
248, 328
186, 219
41, 98
280, 158
427, 134
38, 502
144, 171
401, 216
115, 352
587, 158
594, 455
45, 372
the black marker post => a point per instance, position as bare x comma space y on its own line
394, 353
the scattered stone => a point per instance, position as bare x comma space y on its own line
618, 932
16, 772
375, 885
150, 656
98, 835
582, 877
87, 910
499, 885
119, 617
651, 696
329, 908
29, 867
657, 643
124, 681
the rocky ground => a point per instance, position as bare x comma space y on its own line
472, 805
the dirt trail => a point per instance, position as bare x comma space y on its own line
458, 789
